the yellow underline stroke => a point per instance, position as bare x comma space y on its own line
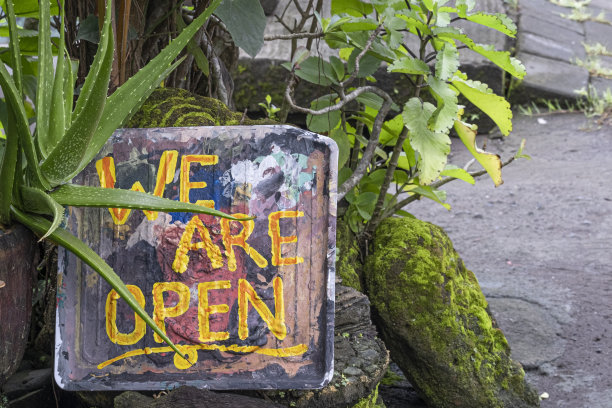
280, 352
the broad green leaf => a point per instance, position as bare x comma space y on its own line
429, 4
45, 79
439, 196
5, 30
447, 61
502, 59
65, 157
338, 67
327, 121
62, 237
368, 65
498, 21
128, 98
85, 196
409, 65
30, 8
458, 173
496, 107
89, 29
39, 202
446, 112
14, 47
245, 20
365, 203
344, 145
317, 71
356, 8
433, 147
489, 161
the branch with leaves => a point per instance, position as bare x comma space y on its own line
384, 140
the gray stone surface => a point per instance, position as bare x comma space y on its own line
544, 237
548, 48
545, 11
601, 84
598, 33
550, 78
543, 28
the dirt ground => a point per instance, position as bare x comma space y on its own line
541, 247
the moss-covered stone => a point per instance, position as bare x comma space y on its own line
171, 107
371, 401
433, 317
347, 259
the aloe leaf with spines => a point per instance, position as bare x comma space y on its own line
68, 140
62, 237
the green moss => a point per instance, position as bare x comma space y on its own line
424, 295
371, 401
347, 257
168, 107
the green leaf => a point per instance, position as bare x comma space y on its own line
498, 21
429, 4
496, 107
447, 61
338, 67
85, 196
458, 173
89, 29
39, 202
57, 114
8, 167
365, 203
45, 78
368, 65
409, 65
355, 8
65, 157
19, 119
489, 161
317, 71
193, 48
128, 98
519, 154
433, 147
344, 145
500, 58
14, 47
62, 237
446, 112
29, 8
245, 21
438, 196
327, 121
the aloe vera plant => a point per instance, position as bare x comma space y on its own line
36, 167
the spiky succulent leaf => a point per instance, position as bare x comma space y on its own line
39, 202
57, 115
45, 77
14, 46
62, 237
86, 196
128, 98
66, 156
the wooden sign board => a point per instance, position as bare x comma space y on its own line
251, 303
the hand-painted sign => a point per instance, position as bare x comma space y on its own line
249, 302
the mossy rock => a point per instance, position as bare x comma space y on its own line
434, 319
172, 107
347, 259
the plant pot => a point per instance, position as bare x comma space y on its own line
18, 251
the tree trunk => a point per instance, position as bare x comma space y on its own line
18, 251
